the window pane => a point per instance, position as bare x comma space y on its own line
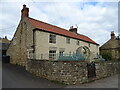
52, 38
52, 54
61, 53
89, 44
78, 42
68, 40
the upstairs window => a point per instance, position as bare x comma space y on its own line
78, 42
68, 40
89, 44
52, 38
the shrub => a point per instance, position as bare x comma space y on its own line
118, 59
107, 56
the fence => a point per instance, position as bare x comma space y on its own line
61, 57
66, 57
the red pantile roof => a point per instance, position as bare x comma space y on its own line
51, 28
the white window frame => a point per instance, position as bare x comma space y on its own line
52, 54
89, 45
61, 53
78, 42
52, 38
30, 53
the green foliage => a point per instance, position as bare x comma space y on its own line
118, 59
107, 56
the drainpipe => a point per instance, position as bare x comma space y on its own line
33, 44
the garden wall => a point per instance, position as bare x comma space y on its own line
70, 72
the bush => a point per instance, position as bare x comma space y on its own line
107, 56
118, 59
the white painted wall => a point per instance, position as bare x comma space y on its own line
42, 44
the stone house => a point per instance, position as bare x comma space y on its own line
40, 40
4, 43
112, 46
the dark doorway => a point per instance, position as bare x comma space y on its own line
91, 70
5, 59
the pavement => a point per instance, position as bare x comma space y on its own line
14, 76
109, 82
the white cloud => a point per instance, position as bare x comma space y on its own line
95, 21
60, 0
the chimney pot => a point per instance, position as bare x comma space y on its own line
24, 6
72, 29
5, 37
112, 35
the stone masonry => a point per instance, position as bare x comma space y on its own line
70, 72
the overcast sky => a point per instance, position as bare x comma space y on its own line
94, 19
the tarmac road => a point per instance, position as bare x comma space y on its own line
0, 75
17, 77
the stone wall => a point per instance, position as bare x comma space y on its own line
105, 69
70, 72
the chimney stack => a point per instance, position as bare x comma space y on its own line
73, 29
5, 37
25, 11
112, 35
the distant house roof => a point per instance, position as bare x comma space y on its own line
54, 29
4, 40
111, 44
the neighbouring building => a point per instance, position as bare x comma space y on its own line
43, 41
112, 47
4, 43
